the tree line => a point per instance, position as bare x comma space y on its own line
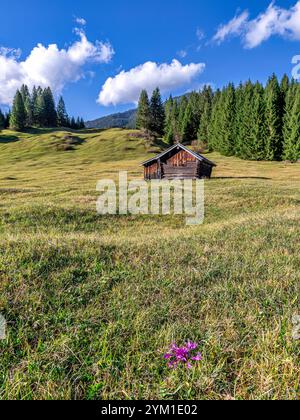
251, 121
38, 109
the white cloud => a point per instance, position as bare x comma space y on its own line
126, 86
274, 21
80, 21
49, 66
234, 27
200, 34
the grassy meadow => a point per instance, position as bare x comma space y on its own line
93, 302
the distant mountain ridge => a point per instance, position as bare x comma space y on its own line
119, 120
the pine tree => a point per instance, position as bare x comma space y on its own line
244, 121
288, 110
18, 114
29, 111
284, 88
62, 115
291, 149
273, 120
257, 131
169, 123
40, 110
213, 130
239, 118
143, 112
187, 128
81, 124
2, 120
182, 106
49, 111
78, 123
226, 143
73, 123
28, 105
34, 97
196, 105
7, 119
24, 93
157, 114
205, 118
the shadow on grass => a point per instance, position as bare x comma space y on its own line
242, 177
91, 130
48, 130
160, 143
8, 139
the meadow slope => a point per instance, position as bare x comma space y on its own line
92, 303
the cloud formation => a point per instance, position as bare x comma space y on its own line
274, 21
234, 27
80, 21
49, 66
126, 87
200, 34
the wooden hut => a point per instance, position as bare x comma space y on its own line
178, 162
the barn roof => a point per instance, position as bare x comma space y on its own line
175, 146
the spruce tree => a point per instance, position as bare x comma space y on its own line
257, 130
196, 105
244, 121
40, 110
273, 120
187, 128
18, 114
28, 105
205, 120
2, 120
7, 119
239, 118
291, 148
62, 115
213, 130
143, 112
29, 111
226, 143
169, 123
81, 124
34, 97
157, 114
73, 123
182, 106
49, 111
289, 104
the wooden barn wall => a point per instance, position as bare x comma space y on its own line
180, 159
151, 171
205, 170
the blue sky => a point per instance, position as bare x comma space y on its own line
133, 33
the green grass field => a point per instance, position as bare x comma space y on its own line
93, 302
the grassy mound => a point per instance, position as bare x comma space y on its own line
92, 303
